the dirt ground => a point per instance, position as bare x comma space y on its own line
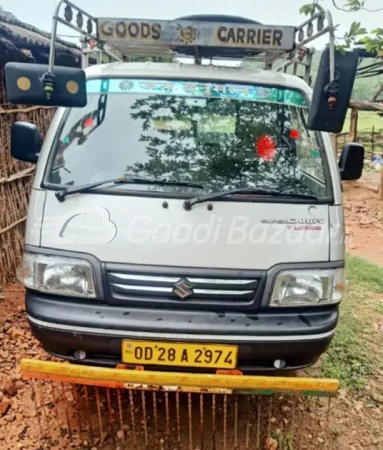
364, 218
355, 422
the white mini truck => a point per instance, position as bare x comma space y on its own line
187, 215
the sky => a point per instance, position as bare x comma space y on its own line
282, 12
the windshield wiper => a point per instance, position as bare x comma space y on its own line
61, 195
216, 195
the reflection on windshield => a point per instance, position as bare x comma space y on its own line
79, 131
221, 143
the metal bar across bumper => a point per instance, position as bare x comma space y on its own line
127, 379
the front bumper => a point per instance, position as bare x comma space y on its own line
64, 325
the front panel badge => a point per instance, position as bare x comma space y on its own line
183, 288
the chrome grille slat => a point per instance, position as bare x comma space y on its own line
131, 287
134, 277
219, 281
221, 292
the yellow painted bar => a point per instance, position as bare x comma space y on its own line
123, 378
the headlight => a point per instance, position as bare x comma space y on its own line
309, 288
57, 275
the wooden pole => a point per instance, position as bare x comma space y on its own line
335, 144
353, 136
366, 106
372, 141
377, 95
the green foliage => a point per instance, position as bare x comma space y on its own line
285, 442
364, 89
367, 119
354, 5
357, 33
365, 275
223, 160
347, 359
311, 8
374, 43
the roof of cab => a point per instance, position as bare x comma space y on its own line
197, 72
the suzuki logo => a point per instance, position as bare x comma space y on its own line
183, 288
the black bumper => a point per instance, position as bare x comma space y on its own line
64, 325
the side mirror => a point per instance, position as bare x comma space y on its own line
32, 84
25, 142
351, 161
330, 101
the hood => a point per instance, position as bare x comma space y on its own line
152, 231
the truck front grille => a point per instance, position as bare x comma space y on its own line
181, 287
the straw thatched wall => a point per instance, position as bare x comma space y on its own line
15, 185
23, 43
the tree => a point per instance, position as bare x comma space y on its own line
373, 40
202, 147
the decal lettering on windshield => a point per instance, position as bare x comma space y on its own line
198, 89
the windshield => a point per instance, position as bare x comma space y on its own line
221, 136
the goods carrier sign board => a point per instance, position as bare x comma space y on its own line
165, 33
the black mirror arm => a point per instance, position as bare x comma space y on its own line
48, 80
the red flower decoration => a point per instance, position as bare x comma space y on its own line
294, 134
266, 147
88, 122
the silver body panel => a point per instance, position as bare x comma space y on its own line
137, 230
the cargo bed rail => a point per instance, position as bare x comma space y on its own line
200, 37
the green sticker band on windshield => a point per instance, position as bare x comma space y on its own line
197, 89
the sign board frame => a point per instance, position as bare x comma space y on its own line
188, 33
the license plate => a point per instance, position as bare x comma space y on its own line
180, 354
